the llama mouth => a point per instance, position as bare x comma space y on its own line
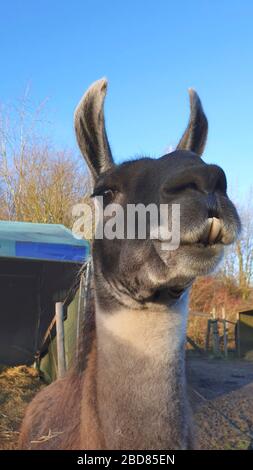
212, 233
211, 236
205, 250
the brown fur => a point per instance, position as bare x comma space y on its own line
45, 417
59, 407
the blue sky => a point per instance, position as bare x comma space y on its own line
151, 52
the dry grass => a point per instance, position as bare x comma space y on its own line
18, 385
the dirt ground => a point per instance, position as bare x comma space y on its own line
216, 387
227, 386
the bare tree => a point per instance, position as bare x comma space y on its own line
37, 182
238, 264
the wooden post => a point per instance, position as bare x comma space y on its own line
216, 349
37, 333
213, 312
225, 338
79, 319
208, 334
223, 313
238, 345
60, 339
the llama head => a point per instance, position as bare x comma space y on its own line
141, 270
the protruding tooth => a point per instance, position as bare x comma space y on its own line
215, 228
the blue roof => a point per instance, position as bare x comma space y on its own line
45, 242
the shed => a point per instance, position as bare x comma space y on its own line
244, 333
39, 264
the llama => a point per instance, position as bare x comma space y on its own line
130, 392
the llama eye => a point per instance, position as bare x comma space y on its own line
107, 194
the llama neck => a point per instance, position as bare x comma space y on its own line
140, 381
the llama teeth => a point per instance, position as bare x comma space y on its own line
215, 228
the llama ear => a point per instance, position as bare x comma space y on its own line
194, 138
90, 129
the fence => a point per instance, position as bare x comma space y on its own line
216, 337
62, 335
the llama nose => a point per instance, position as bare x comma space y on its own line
212, 205
207, 179
216, 180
